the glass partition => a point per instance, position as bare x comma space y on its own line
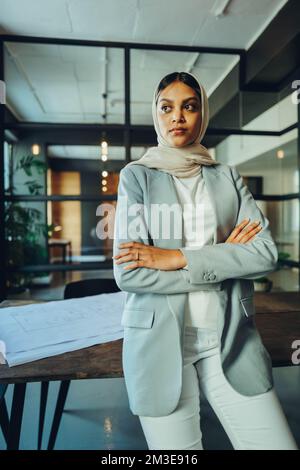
272, 160
65, 84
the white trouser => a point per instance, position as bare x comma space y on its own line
251, 423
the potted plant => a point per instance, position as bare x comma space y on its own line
264, 284
24, 227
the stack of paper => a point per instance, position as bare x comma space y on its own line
37, 331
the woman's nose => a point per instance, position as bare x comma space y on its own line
177, 115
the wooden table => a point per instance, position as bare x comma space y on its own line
64, 245
96, 362
277, 319
278, 322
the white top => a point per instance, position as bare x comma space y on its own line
201, 307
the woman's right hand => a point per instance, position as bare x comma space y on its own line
243, 234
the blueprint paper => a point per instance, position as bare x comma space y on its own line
40, 330
2, 352
17, 358
35, 325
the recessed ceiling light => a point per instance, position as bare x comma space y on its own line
35, 148
280, 153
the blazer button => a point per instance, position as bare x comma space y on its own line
212, 277
206, 277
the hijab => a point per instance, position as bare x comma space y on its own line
182, 162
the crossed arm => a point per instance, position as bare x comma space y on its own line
223, 260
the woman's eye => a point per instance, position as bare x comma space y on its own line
163, 108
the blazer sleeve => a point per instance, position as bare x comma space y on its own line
145, 280
236, 260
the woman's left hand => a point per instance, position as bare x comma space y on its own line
146, 256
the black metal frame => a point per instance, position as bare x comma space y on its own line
2, 201
298, 145
127, 128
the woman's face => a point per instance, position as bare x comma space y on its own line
179, 106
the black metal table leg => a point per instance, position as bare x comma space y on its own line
16, 416
61, 399
43, 405
4, 419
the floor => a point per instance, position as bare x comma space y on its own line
97, 415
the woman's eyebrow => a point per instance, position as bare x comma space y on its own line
183, 101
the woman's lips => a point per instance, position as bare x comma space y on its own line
178, 131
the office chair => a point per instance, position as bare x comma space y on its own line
73, 290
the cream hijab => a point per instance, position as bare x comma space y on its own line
182, 162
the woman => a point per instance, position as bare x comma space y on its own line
189, 314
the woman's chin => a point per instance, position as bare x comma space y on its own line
181, 142
178, 140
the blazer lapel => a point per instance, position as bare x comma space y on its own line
162, 192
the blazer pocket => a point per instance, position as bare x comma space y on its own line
138, 318
248, 306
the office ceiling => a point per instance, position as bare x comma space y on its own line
192, 22
53, 83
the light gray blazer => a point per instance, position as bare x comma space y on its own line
153, 317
